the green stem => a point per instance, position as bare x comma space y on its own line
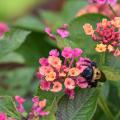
103, 105
113, 11
102, 59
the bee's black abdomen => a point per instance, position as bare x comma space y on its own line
88, 73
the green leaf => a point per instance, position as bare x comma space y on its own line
71, 8
12, 57
81, 108
34, 47
52, 20
12, 40
52, 109
49, 117
61, 43
30, 23
16, 81
113, 61
104, 106
7, 105
78, 36
111, 73
50, 96
68, 13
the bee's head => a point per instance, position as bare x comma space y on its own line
98, 75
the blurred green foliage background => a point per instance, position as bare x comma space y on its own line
10, 9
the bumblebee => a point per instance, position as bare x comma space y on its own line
93, 74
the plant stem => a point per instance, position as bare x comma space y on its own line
103, 105
102, 59
113, 11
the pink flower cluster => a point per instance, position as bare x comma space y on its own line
107, 35
62, 32
3, 116
3, 29
99, 8
111, 2
56, 74
37, 110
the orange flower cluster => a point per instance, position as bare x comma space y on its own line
99, 8
107, 34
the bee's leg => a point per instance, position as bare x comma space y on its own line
93, 84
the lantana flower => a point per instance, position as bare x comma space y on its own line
57, 87
100, 8
88, 29
101, 48
62, 32
20, 102
3, 29
107, 35
36, 112
66, 72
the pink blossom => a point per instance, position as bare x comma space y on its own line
35, 99
57, 87
81, 82
19, 99
83, 62
41, 112
43, 61
77, 52
3, 29
67, 52
83, 59
20, 108
38, 75
81, 67
48, 31
3, 116
116, 53
37, 110
69, 83
63, 32
54, 52
45, 85
70, 93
